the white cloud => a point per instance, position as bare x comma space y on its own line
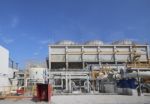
24, 35
35, 53
40, 47
14, 22
130, 28
7, 40
48, 41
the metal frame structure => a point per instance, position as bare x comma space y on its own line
70, 61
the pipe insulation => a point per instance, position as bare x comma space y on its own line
136, 74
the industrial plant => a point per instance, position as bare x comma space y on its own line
93, 67
122, 67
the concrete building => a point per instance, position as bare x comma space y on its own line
69, 62
7, 71
37, 74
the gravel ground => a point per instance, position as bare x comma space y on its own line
85, 99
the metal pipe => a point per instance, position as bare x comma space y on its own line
66, 80
70, 89
141, 69
139, 84
88, 84
140, 74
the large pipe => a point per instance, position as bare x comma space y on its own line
132, 75
141, 69
140, 74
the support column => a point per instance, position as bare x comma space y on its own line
88, 84
66, 80
70, 87
99, 57
66, 58
130, 55
62, 84
148, 53
82, 57
67, 66
114, 54
139, 83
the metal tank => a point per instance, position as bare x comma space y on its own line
65, 42
94, 42
124, 42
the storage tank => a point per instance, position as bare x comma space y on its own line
123, 42
66, 42
94, 42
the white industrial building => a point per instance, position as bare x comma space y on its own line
71, 65
6, 71
37, 74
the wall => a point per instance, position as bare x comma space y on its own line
95, 53
4, 69
4, 60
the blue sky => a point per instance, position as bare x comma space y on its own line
28, 26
